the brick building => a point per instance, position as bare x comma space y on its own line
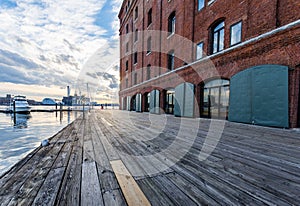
226, 59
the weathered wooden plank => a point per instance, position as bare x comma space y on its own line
48, 192
172, 191
88, 151
109, 150
42, 160
69, 193
154, 193
90, 186
114, 198
199, 196
132, 193
64, 155
107, 178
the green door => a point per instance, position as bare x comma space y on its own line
184, 100
259, 95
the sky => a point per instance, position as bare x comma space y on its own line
47, 45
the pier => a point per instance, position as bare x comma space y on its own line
112, 157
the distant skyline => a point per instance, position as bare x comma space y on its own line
47, 45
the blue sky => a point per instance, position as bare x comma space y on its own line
46, 45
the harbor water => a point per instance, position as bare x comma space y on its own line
23, 133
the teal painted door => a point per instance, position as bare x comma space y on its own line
154, 102
259, 95
184, 100
138, 103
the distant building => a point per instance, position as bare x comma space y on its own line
68, 101
75, 100
49, 101
5, 100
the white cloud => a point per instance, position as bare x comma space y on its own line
58, 37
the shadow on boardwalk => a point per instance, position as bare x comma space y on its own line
164, 157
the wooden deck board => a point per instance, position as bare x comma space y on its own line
132, 192
250, 165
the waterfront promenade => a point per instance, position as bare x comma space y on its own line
112, 157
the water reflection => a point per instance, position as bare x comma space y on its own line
20, 120
21, 133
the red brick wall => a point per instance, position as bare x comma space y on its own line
192, 27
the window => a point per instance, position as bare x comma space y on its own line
171, 23
236, 33
199, 52
136, 34
126, 66
127, 47
218, 37
135, 78
136, 12
149, 45
215, 100
149, 16
171, 60
200, 4
127, 28
135, 57
148, 71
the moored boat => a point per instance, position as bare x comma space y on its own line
21, 105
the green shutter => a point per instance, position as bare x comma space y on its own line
189, 99
138, 103
267, 89
128, 103
179, 103
184, 100
154, 102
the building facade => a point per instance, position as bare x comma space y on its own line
225, 59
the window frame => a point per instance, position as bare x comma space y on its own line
172, 23
136, 14
149, 45
202, 49
148, 72
220, 33
135, 58
126, 66
201, 6
241, 32
171, 60
136, 35
127, 47
149, 17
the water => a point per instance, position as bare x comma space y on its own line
18, 138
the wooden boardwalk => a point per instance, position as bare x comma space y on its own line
127, 158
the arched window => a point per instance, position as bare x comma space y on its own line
218, 37
172, 23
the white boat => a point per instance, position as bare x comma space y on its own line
21, 105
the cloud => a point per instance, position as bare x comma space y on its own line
51, 42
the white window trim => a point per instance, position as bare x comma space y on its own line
210, 2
